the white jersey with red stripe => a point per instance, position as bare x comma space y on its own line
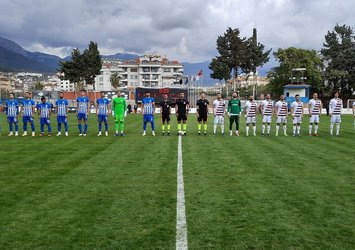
251, 107
316, 106
281, 108
297, 108
336, 106
267, 107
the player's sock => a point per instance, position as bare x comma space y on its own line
205, 126
254, 130
214, 128
285, 129
42, 128
222, 129
152, 124
117, 126
144, 126
85, 128
33, 126
268, 129
163, 128
106, 126
25, 126
122, 126
49, 129
199, 126
184, 127
263, 128
316, 129
100, 127
247, 130
80, 128
16, 127
179, 127
331, 127
168, 127
298, 129
277, 129
337, 127
10, 127
294, 129
310, 129
66, 126
59, 127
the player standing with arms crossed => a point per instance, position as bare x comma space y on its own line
102, 112
12, 114
119, 107
315, 110
297, 115
267, 109
82, 112
282, 113
182, 111
27, 113
165, 105
202, 113
44, 115
62, 113
148, 112
234, 109
250, 115
219, 109
335, 112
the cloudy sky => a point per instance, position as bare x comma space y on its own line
185, 30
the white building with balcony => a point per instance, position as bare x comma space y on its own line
147, 71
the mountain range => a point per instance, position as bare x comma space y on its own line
15, 58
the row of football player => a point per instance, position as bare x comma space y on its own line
268, 109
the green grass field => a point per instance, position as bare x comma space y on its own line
114, 192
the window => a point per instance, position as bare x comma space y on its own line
167, 70
134, 70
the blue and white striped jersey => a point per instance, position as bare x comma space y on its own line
28, 105
102, 105
148, 107
11, 108
44, 109
62, 105
83, 104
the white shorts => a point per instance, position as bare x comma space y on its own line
297, 119
219, 119
250, 119
267, 118
281, 119
335, 119
314, 119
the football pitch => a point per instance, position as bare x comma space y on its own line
121, 192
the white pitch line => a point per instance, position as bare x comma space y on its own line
181, 228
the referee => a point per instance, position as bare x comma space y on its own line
182, 110
165, 105
202, 113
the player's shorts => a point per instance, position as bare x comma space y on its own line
119, 117
181, 117
335, 119
45, 121
219, 119
202, 117
11, 119
297, 120
165, 117
267, 118
61, 119
314, 119
102, 118
281, 119
148, 118
27, 119
250, 119
82, 117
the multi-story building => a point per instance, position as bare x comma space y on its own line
147, 71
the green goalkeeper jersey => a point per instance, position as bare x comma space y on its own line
234, 107
119, 105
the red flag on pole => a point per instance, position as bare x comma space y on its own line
200, 73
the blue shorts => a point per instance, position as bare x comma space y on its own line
102, 118
11, 119
45, 121
82, 117
27, 119
61, 119
148, 118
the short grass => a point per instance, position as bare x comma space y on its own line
241, 192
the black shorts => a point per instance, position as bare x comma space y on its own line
165, 117
202, 117
181, 117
